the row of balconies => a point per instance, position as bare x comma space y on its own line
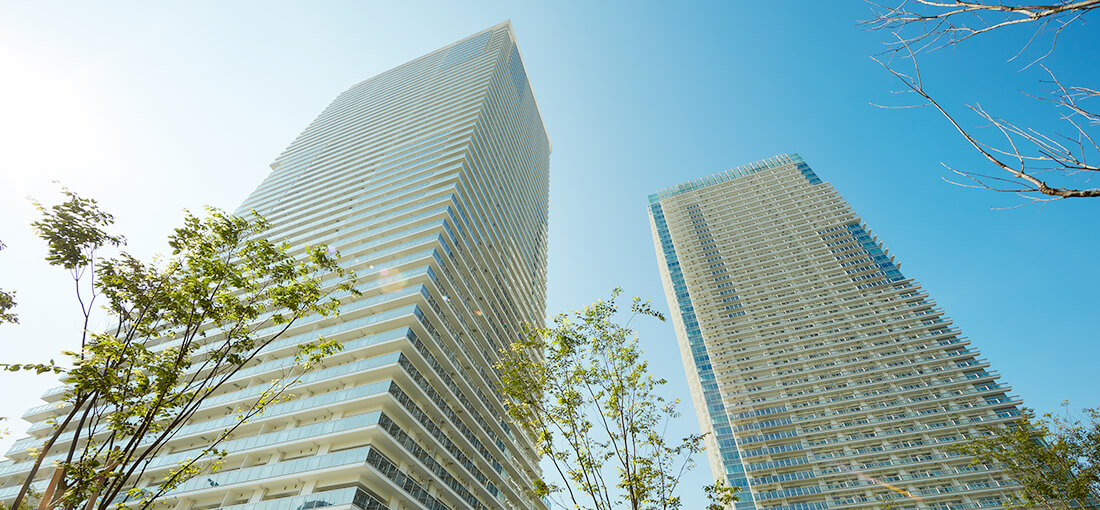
778, 327
875, 396
820, 384
864, 422
826, 300
762, 220
1001, 487
896, 388
849, 446
811, 343
845, 337
803, 373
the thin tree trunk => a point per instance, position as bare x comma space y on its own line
47, 496
42, 455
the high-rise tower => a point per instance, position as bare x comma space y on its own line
432, 180
826, 378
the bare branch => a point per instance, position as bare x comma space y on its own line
941, 24
1046, 154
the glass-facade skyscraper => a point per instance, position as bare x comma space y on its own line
826, 378
432, 179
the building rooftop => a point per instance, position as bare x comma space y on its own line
726, 175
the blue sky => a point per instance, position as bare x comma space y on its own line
156, 108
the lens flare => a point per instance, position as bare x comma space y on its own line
396, 285
871, 479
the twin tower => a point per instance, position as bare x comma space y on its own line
824, 377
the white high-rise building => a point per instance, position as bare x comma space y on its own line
432, 179
825, 377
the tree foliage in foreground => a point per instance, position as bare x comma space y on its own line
1056, 460
582, 390
185, 325
7, 302
720, 495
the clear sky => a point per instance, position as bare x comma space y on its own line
153, 108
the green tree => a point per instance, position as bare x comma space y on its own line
582, 391
887, 501
1055, 459
7, 302
720, 495
185, 325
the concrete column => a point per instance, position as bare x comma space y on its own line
308, 487
257, 496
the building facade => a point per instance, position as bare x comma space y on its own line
825, 377
432, 179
